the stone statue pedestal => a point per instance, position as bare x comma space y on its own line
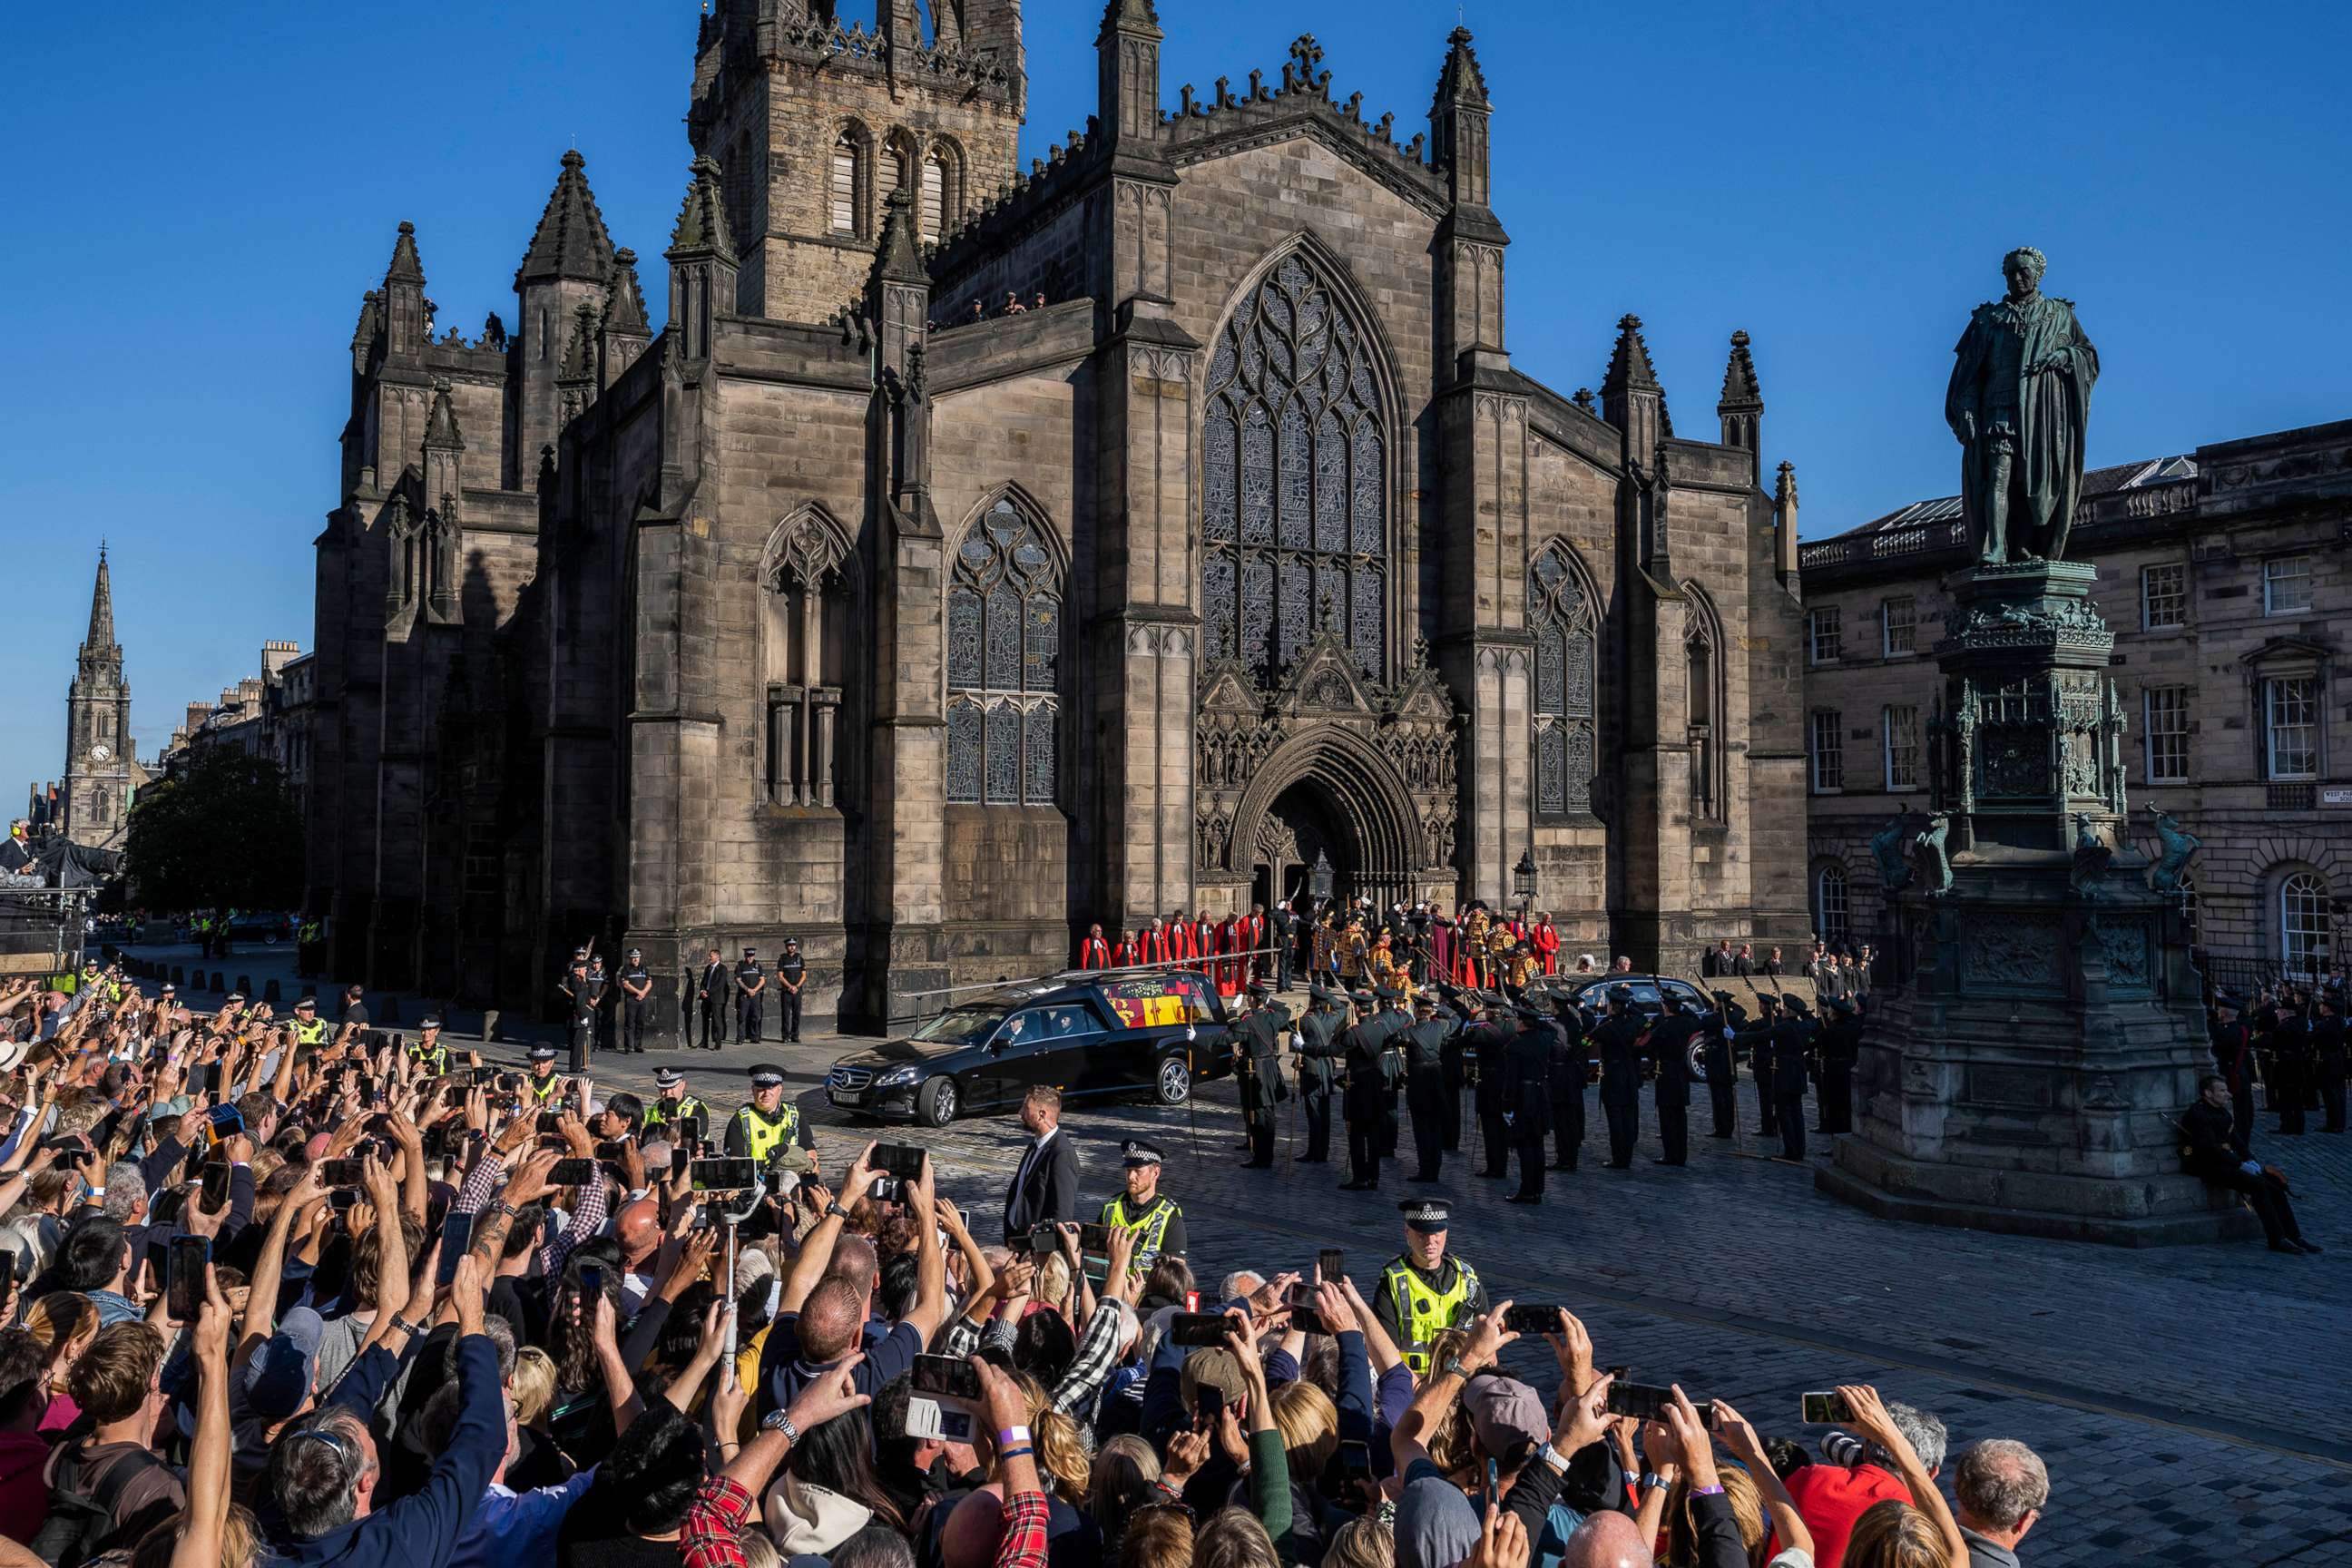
2025, 1076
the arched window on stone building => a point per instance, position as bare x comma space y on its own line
1293, 480
1829, 901
935, 195
1702, 650
807, 645
2303, 924
1563, 612
845, 196
1004, 654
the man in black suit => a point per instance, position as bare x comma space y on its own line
710, 998
2217, 1154
1045, 1186
1284, 926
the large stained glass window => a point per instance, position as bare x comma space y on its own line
1566, 623
1294, 482
1005, 647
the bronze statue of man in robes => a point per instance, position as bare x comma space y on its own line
2019, 397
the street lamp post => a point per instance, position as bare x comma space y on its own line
1523, 881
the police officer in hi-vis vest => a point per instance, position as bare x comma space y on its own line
671, 1105
309, 1029
767, 1127
544, 1088
1156, 1218
428, 1050
1424, 1291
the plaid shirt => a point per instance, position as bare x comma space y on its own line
1023, 1545
483, 1181
1092, 1361
706, 1538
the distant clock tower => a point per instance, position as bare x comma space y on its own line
97, 777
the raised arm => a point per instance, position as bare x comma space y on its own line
1871, 1419
1739, 1437
205, 1524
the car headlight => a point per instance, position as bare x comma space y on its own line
897, 1076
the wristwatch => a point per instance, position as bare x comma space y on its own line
835, 1211
1455, 1367
781, 1421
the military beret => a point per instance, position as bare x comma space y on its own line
1795, 1003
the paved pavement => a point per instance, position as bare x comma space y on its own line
2193, 1404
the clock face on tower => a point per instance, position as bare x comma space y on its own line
98, 754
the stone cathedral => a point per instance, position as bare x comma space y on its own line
978, 550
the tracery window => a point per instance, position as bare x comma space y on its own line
1294, 481
1566, 621
843, 185
1004, 644
934, 197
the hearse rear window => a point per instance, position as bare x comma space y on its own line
1154, 1001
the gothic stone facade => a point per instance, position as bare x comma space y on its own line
100, 775
2222, 574
855, 608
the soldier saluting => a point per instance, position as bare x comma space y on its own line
1841, 1047
1571, 1070
1315, 1043
1791, 1038
1257, 1058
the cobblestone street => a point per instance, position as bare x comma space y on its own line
2190, 1401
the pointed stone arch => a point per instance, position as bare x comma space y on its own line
1007, 665
1707, 674
1564, 616
809, 592
1370, 798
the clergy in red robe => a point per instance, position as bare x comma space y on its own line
1128, 952
1156, 946
1204, 941
1253, 939
1094, 953
1231, 942
1179, 940
1547, 944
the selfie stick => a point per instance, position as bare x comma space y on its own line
1191, 1095
726, 1295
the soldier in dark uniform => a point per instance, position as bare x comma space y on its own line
750, 983
636, 1001
1791, 1038
2233, 1055
1721, 1083
1433, 1025
1454, 1074
580, 1008
1759, 1060
1670, 1041
1839, 1048
1395, 1021
1362, 1048
1492, 1042
1620, 1076
600, 998
1571, 1071
1315, 1043
1258, 1060
711, 989
2290, 1063
792, 975
2327, 1057
1527, 1095
1284, 925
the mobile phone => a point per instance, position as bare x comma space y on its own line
215, 1187
1303, 1315
1331, 1265
691, 1129
457, 1241
928, 1418
342, 1173
1192, 1300
572, 1172
1494, 1481
947, 1377
210, 1082
1619, 1372
165, 1210
477, 1076
223, 1123
184, 1275
1193, 1329
903, 1161
343, 1199
1824, 1409
1093, 1238
1208, 1407
551, 1121
591, 1279
725, 1176
612, 1150
1648, 1402
508, 1082
1355, 1461
1531, 1317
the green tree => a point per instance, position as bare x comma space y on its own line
225, 833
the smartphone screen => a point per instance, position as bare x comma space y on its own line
904, 1160
1825, 1409
1643, 1401
1330, 1266
611, 1150
457, 1239
572, 1172
1354, 1458
342, 1173
479, 1077
184, 1275
1208, 1407
223, 1122
215, 1187
725, 1176
947, 1377
551, 1121
592, 1280
1194, 1328
1093, 1238
1531, 1317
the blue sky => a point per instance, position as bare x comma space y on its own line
199, 195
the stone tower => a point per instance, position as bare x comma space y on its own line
811, 124
98, 727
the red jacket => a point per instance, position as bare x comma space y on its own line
1125, 953
1157, 947
1094, 954
1830, 1500
1179, 941
1205, 938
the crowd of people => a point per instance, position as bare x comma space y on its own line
281, 1292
